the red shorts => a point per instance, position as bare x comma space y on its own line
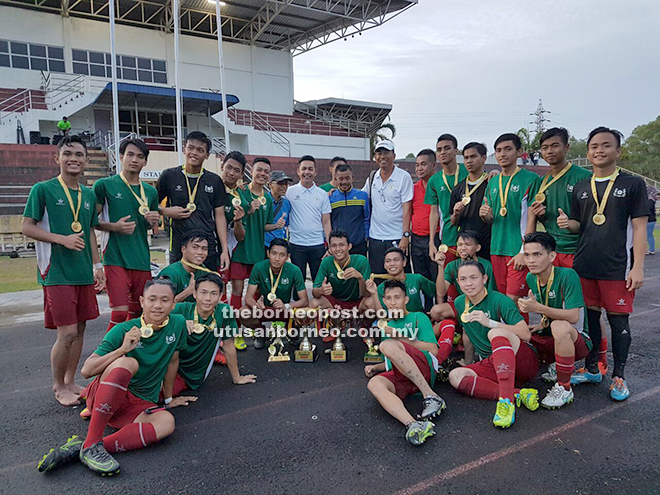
179, 386
130, 408
509, 280
239, 271
402, 384
545, 345
527, 366
564, 260
450, 255
69, 305
343, 304
125, 286
609, 294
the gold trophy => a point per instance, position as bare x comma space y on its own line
338, 353
303, 319
372, 356
276, 347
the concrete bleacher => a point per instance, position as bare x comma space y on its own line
15, 100
297, 123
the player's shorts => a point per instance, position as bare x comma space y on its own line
125, 286
564, 260
343, 304
131, 407
527, 366
180, 385
450, 255
509, 280
69, 305
609, 294
239, 271
402, 384
545, 346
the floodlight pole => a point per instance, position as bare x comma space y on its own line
225, 110
115, 95
177, 88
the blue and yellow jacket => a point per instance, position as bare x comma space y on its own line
350, 212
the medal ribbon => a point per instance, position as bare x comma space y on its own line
504, 196
254, 196
468, 191
544, 184
600, 207
142, 198
467, 302
150, 325
273, 286
74, 211
548, 286
192, 195
444, 178
196, 318
341, 269
196, 267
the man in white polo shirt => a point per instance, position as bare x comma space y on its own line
390, 190
309, 222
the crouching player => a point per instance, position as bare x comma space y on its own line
410, 366
499, 335
130, 365
209, 323
562, 336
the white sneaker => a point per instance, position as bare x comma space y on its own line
550, 376
557, 397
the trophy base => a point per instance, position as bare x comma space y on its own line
279, 359
304, 356
373, 358
338, 356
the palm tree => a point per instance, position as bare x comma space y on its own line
525, 139
379, 136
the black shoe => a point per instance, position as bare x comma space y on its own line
433, 406
61, 455
97, 459
259, 342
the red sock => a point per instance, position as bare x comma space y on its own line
117, 317
602, 352
236, 301
565, 366
480, 388
446, 339
131, 437
504, 361
109, 396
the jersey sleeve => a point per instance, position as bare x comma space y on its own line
455, 193
508, 311
165, 273
113, 339
572, 290
492, 283
220, 195
381, 293
450, 273
530, 280
99, 191
428, 287
365, 268
162, 186
36, 203
638, 200
425, 330
325, 207
182, 331
254, 277
322, 273
153, 203
431, 196
269, 211
574, 214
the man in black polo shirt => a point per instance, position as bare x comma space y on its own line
195, 200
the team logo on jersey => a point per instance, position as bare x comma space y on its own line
227, 209
170, 339
569, 188
60, 202
619, 193
552, 294
284, 281
139, 345
487, 313
178, 187
584, 195
412, 290
515, 188
621, 302
208, 189
316, 198
119, 196
297, 197
87, 205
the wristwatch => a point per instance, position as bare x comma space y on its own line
406, 234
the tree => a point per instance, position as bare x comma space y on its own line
529, 144
578, 148
379, 135
410, 155
641, 151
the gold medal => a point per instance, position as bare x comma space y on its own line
271, 297
545, 321
191, 207
540, 197
465, 317
198, 328
443, 248
504, 193
77, 227
340, 274
236, 202
143, 210
468, 192
273, 283
599, 219
382, 324
503, 211
262, 200
141, 199
146, 331
466, 200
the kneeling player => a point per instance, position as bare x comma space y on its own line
498, 333
209, 323
410, 366
130, 364
556, 293
182, 274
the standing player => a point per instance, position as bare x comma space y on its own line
195, 200
60, 215
505, 207
500, 336
419, 244
128, 208
438, 194
610, 213
182, 274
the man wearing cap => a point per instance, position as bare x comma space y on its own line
390, 190
279, 183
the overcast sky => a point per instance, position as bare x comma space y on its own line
477, 68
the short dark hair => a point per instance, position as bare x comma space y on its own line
466, 263
198, 136
343, 167
69, 140
138, 143
337, 159
470, 235
394, 284
193, 235
280, 242
448, 137
555, 131
542, 238
307, 158
617, 134
235, 155
261, 159
212, 277
509, 136
428, 152
159, 281
480, 147
395, 249
338, 233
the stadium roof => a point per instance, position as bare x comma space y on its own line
292, 25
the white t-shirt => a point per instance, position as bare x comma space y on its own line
306, 218
387, 204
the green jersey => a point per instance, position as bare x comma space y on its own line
128, 251
565, 293
47, 204
344, 290
451, 274
291, 280
416, 285
152, 354
559, 195
327, 187
508, 231
180, 278
252, 249
196, 360
229, 207
417, 326
438, 194
497, 307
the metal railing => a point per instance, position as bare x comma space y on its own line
218, 146
261, 122
584, 163
67, 90
19, 103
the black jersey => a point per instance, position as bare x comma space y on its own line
469, 218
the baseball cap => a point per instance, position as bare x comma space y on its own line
279, 176
386, 144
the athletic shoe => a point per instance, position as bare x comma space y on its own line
557, 397
619, 389
418, 431
97, 459
602, 367
529, 397
550, 376
584, 376
61, 455
239, 343
259, 342
433, 406
220, 358
505, 414
85, 414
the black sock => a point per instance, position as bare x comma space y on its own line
596, 334
620, 325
